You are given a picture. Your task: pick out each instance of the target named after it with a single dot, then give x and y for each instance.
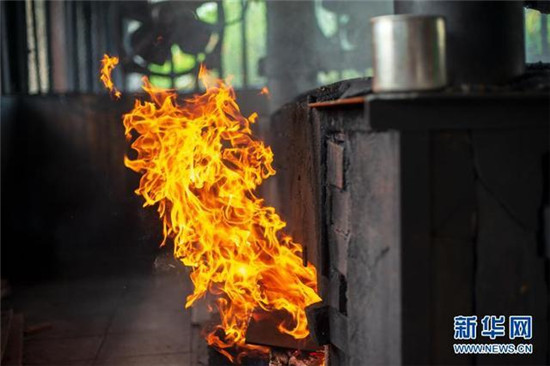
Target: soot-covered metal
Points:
(416, 207)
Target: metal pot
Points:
(485, 39)
(408, 53)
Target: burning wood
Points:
(263, 331)
(285, 357)
(201, 165)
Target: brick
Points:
(340, 210)
(337, 297)
(338, 250)
(335, 164)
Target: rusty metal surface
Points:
(337, 102)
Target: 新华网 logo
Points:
(493, 327)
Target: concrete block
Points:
(340, 210)
(338, 250)
(335, 164)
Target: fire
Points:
(201, 165)
(108, 63)
(265, 91)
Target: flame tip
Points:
(108, 63)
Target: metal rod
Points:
(95, 39)
(59, 44)
(70, 35)
(337, 102)
(74, 53)
(35, 37)
(244, 45)
(48, 30)
(88, 52)
(221, 30)
(21, 56)
(6, 77)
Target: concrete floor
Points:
(136, 320)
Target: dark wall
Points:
(67, 201)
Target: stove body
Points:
(416, 208)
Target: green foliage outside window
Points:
(232, 47)
(534, 42)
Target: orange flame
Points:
(265, 91)
(201, 165)
(108, 63)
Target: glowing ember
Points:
(201, 166)
(265, 91)
(107, 65)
